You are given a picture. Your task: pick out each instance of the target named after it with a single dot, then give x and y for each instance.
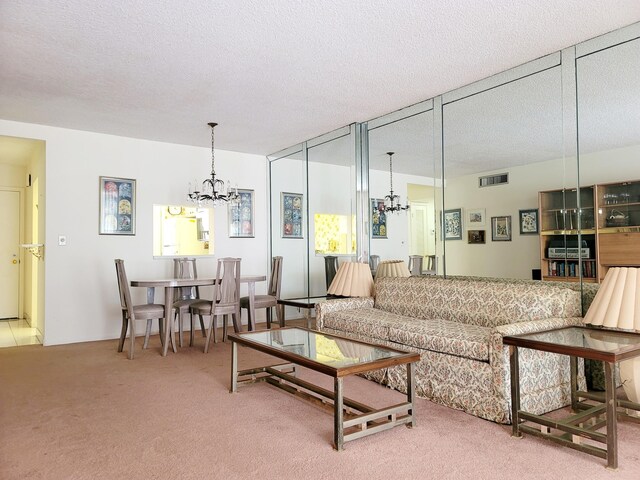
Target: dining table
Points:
(170, 284)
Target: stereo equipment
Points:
(568, 252)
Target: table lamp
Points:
(352, 279)
(392, 268)
(617, 305)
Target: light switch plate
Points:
(62, 240)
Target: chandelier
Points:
(392, 201)
(214, 190)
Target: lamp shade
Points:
(352, 279)
(392, 268)
(617, 303)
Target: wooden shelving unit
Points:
(606, 227)
(618, 225)
(568, 235)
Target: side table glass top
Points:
(601, 340)
(318, 347)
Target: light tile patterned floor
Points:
(14, 333)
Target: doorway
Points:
(21, 264)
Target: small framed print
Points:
(117, 206)
(529, 222)
(291, 214)
(378, 219)
(475, 236)
(240, 215)
(501, 229)
(475, 217)
(453, 224)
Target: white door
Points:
(9, 253)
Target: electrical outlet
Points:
(62, 240)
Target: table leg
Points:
(411, 393)
(338, 424)
(252, 305)
(612, 420)
(234, 367)
(574, 383)
(168, 327)
(515, 391)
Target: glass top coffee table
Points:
(594, 411)
(337, 357)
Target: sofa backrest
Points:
(487, 304)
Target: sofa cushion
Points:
(487, 304)
(463, 340)
(437, 335)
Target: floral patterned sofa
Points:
(457, 326)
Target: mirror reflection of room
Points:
(412, 232)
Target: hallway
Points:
(15, 333)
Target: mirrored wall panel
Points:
(289, 220)
(506, 180)
(332, 212)
(402, 163)
(608, 87)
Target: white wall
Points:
(81, 295)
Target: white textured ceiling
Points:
(270, 72)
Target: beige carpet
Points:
(84, 411)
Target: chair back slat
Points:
(415, 264)
(123, 288)
(186, 268)
(330, 268)
(276, 277)
(227, 287)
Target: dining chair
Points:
(226, 300)
(415, 264)
(186, 268)
(330, 268)
(432, 265)
(374, 261)
(131, 313)
(271, 298)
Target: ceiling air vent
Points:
(492, 180)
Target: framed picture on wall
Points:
(475, 236)
(240, 215)
(475, 217)
(378, 219)
(453, 224)
(291, 214)
(501, 229)
(529, 222)
(117, 206)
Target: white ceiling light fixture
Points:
(214, 190)
(392, 201)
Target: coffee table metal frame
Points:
(360, 419)
(588, 418)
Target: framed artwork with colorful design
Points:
(291, 214)
(240, 215)
(117, 206)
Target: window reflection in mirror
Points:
(182, 231)
(334, 234)
(396, 236)
(514, 129)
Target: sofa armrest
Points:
(531, 326)
(340, 304)
(538, 370)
